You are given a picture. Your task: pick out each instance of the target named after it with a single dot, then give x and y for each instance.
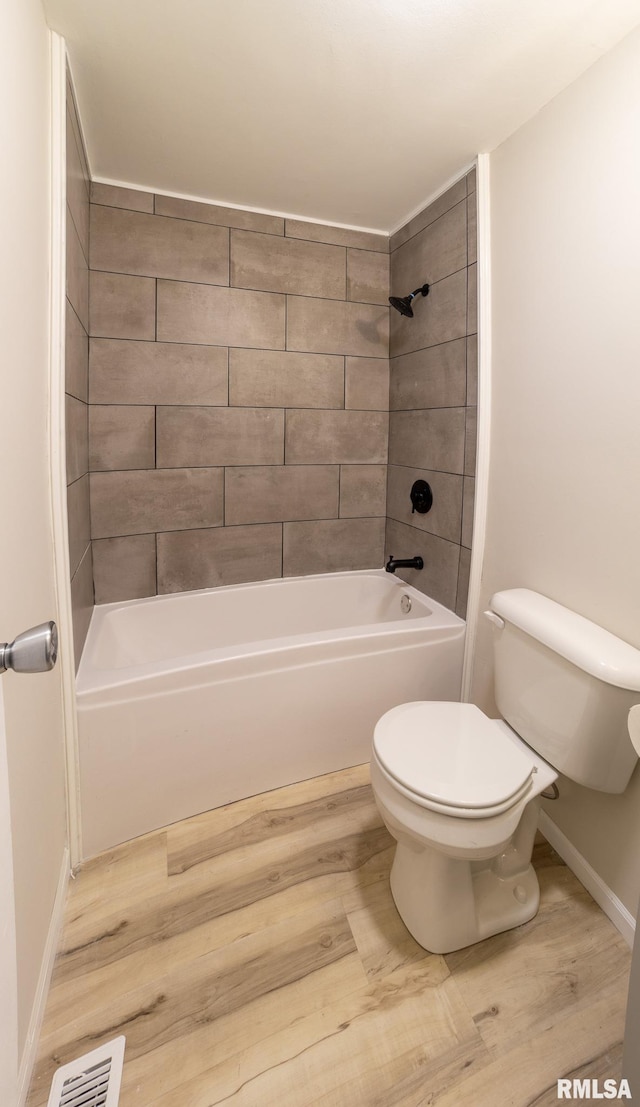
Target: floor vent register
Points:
(92, 1080)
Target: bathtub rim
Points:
(92, 681)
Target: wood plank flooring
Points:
(253, 957)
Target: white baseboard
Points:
(37, 1012)
(613, 908)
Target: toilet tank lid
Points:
(594, 650)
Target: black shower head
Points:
(403, 303)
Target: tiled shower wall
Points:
(76, 378)
(238, 391)
(432, 396)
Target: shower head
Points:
(403, 303)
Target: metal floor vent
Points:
(92, 1080)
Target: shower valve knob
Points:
(33, 651)
(421, 497)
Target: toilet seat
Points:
(451, 758)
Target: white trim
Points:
(57, 437)
(69, 74)
(484, 419)
(239, 207)
(613, 908)
(8, 950)
(30, 1051)
(432, 198)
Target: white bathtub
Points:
(193, 700)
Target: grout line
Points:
(263, 291)
(249, 349)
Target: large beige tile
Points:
(336, 327)
(272, 493)
(126, 372)
(367, 277)
(431, 439)
(432, 254)
(76, 356)
(82, 602)
(77, 189)
(428, 215)
(215, 213)
(340, 236)
(121, 437)
(122, 306)
(138, 502)
(78, 521)
(363, 491)
(76, 438)
(209, 558)
(219, 436)
(439, 577)
(445, 516)
(153, 246)
(220, 316)
(77, 275)
(330, 437)
(277, 264)
(269, 378)
(116, 197)
(332, 546)
(435, 377)
(439, 317)
(367, 383)
(124, 568)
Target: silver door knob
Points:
(34, 651)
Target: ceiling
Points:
(346, 111)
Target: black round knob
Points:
(421, 497)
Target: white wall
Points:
(27, 595)
(564, 487)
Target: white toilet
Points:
(461, 792)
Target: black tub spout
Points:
(403, 563)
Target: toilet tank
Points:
(566, 686)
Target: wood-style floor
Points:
(253, 957)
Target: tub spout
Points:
(403, 563)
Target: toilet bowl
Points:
(460, 794)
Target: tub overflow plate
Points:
(405, 604)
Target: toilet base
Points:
(447, 904)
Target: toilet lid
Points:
(451, 754)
